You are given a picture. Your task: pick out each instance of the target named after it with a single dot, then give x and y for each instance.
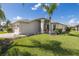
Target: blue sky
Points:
(64, 13)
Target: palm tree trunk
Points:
(50, 27)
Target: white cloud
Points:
(35, 7)
(73, 22)
(18, 17)
(44, 10)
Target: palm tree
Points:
(50, 9)
(2, 14)
(8, 22)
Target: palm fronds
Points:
(2, 14)
(50, 9)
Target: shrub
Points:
(1, 29)
(72, 28)
(68, 29)
(58, 31)
(9, 29)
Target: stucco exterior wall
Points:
(58, 26)
(29, 28)
(16, 28)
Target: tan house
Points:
(57, 25)
(76, 27)
(36, 26)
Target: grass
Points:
(2, 39)
(1, 32)
(46, 45)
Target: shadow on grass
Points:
(53, 46)
(4, 48)
(56, 48)
(73, 35)
(14, 52)
(17, 52)
(4, 45)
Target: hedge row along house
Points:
(41, 25)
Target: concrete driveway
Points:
(7, 35)
(11, 35)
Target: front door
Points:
(46, 29)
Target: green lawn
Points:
(46, 45)
(1, 32)
(2, 39)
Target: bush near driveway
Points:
(9, 30)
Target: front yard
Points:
(45, 45)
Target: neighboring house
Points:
(57, 25)
(36, 26)
(76, 27)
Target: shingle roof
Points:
(21, 20)
(26, 20)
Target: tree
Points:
(8, 26)
(2, 14)
(8, 22)
(50, 9)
